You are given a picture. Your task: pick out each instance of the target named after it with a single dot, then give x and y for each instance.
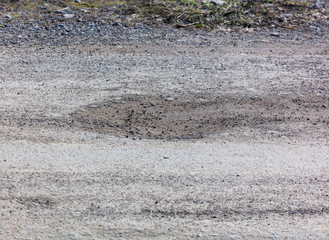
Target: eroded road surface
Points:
(196, 136)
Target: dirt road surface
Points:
(195, 136)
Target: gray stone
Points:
(286, 16)
(318, 5)
(215, 2)
(275, 34)
(62, 11)
(67, 15)
(8, 16)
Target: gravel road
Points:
(159, 133)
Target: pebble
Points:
(93, 106)
(62, 11)
(215, 2)
(8, 16)
(286, 16)
(68, 15)
(275, 34)
(234, 237)
(318, 5)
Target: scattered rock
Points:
(275, 34)
(318, 5)
(67, 16)
(218, 2)
(62, 11)
(215, 2)
(8, 16)
(286, 16)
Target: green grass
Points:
(180, 13)
(238, 13)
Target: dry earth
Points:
(195, 136)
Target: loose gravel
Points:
(64, 176)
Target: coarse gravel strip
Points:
(35, 33)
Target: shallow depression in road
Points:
(190, 116)
(162, 117)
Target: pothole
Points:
(186, 117)
(162, 117)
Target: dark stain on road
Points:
(196, 116)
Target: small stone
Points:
(318, 5)
(218, 2)
(8, 16)
(67, 15)
(286, 16)
(139, 229)
(234, 237)
(275, 34)
(62, 11)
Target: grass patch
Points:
(209, 14)
(203, 14)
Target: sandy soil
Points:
(217, 139)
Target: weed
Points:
(202, 14)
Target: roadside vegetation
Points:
(202, 14)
